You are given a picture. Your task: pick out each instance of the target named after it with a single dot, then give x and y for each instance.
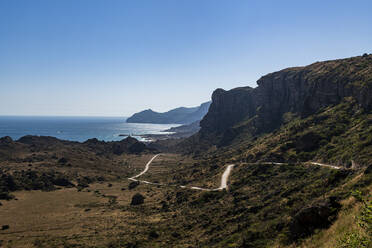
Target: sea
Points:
(78, 128)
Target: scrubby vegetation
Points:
(361, 236)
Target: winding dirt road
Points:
(224, 177)
(223, 185)
(312, 163)
(146, 168)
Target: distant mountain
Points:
(180, 115)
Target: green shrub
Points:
(355, 239)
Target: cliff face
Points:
(300, 91)
(228, 108)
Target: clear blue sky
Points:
(113, 58)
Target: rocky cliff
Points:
(299, 91)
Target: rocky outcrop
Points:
(301, 91)
(6, 140)
(179, 115)
(128, 145)
(318, 215)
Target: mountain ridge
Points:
(180, 115)
(295, 114)
(301, 91)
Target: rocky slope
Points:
(299, 91)
(180, 115)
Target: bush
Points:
(153, 234)
(355, 239)
(137, 199)
(5, 227)
(62, 161)
(82, 185)
(61, 181)
(133, 184)
(5, 196)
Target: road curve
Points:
(146, 168)
(223, 185)
(225, 176)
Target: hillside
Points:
(180, 115)
(295, 110)
(44, 163)
(297, 116)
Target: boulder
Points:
(318, 215)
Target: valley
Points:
(286, 164)
(102, 214)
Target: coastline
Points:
(77, 128)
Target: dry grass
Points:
(91, 217)
(94, 217)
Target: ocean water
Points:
(77, 128)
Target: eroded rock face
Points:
(228, 108)
(301, 91)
